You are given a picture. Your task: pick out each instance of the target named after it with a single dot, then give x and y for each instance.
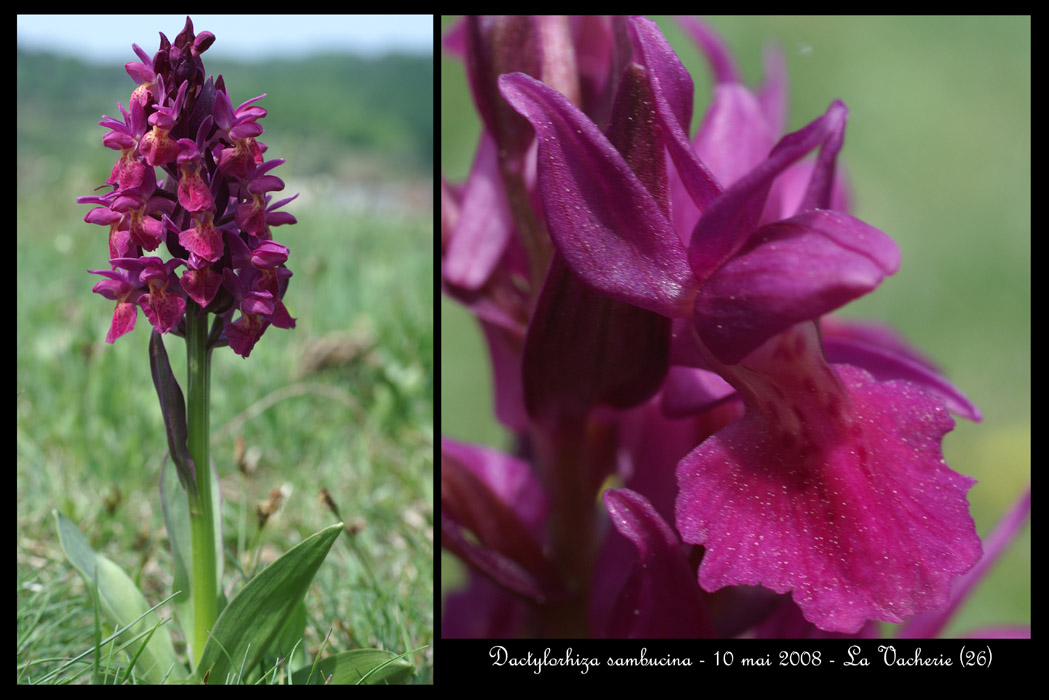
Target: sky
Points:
(102, 38)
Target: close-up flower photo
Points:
(735, 327)
(235, 487)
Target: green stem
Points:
(202, 520)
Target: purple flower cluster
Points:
(655, 306)
(211, 208)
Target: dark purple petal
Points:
(261, 184)
(124, 317)
(660, 597)
(1004, 534)
(193, 193)
(203, 239)
(117, 283)
(500, 543)
(269, 254)
(279, 218)
(735, 137)
(201, 285)
(163, 309)
(257, 303)
(820, 191)
(484, 224)
(504, 348)
(583, 349)
(604, 221)
(794, 270)
(496, 46)
(244, 333)
(785, 621)
(722, 64)
(631, 132)
(773, 94)
(727, 224)
(690, 391)
(500, 568)
(280, 317)
(483, 610)
(511, 479)
(672, 88)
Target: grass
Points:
(90, 439)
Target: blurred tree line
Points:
(330, 104)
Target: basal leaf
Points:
(122, 604)
(251, 621)
(368, 666)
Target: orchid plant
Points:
(655, 304)
(222, 284)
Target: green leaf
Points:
(368, 666)
(291, 632)
(122, 604)
(251, 621)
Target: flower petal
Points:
(672, 88)
(795, 270)
(879, 351)
(502, 544)
(1004, 534)
(690, 391)
(726, 225)
(483, 226)
(734, 138)
(833, 487)
(660, 597)
(604, 221)
(583, 348)
(124, 316)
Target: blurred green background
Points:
(343, 402)
(938, 150)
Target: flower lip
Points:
(833, 486)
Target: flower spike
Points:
(214, 189)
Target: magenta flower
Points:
(832, 485)
(148, 282)
(655, 306)
(211, 199)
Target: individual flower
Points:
(257, 287)
(212, 199)
(832, 485)
(241, 127)
(193, 192)
(148, 282)
(655, 307)
(124, 287)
